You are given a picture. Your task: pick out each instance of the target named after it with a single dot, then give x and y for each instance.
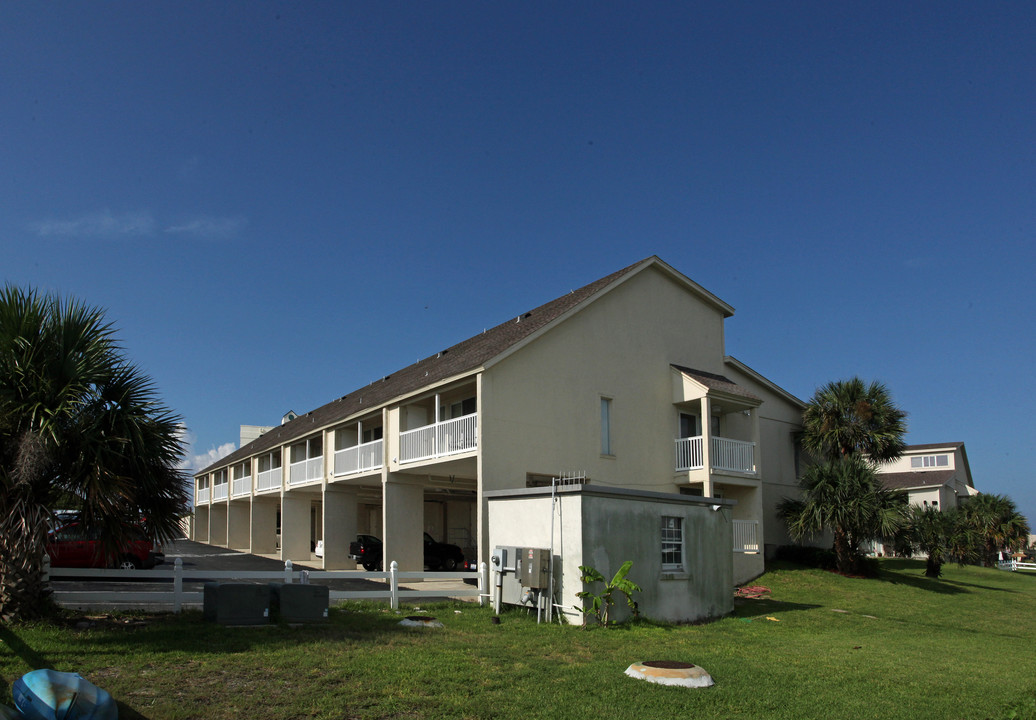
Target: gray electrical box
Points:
(298, 603)
(535, 570)
(236, 603)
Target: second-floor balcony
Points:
(202, 496)
(242, 486)
(269, 479)
(441, 439)
(305, 471)
(724, 454)
(219, 492)
(360, 458)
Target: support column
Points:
(340, 507)
(200, 526)
(263, 526)
(757, 450)
(706, 445)
(402, 511)
(218, 524)
(295, 526)
(238, 524)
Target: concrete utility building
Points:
(683, 452)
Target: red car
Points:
(73, 546)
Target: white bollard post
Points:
(46, 568)
(483, 584)
(287, 572)
(394, 585)
(177, 585)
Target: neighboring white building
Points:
(934, 475)
(625, 380)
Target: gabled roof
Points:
(737, 364)
(903, 480)
(456, 361)
(718, 383)
(933, 446)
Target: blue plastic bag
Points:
(52, 695)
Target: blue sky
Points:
(280, 202)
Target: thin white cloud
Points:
(192, 460)
(99, 224)
(106, 224)
(210, 227)
(203, 460)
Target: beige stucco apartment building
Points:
(624, 384)
(935, 475)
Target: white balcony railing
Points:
(735, 455)
(724, 454)
(689, 454)
(242, 486)
(219, 492)
(306, 471)
(746, 538)
(269, 479)
(360, 458)
(439, 439)
(202, 496)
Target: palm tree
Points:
(81, 426)
(997, 523)
(848, 416)
(847, 426)
(844, 496)
(939, 535)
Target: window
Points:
(606, 426)
(689, 426)
(672, 543)
(929, 461)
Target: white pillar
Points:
(340, 508)
(403, 522)
(295, 526)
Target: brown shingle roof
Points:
(451, 362)
(717, 382)
(930, 478)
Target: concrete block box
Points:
(236, 603)
(299, 603)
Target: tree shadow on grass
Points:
(942, 587)
(911, 572)
(35, 661)
(748, 607)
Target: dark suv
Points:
(437, 556)
(74, 546)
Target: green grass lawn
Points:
(900, 646)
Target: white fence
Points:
(746, 536)
(178, 597)
(306, 471)
(269, 479)
(219, 492)
(724, 454)
(360, 458)
(1014, 565)
(689, 454)
(736, 455)
(242, 486)
(439, 439)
